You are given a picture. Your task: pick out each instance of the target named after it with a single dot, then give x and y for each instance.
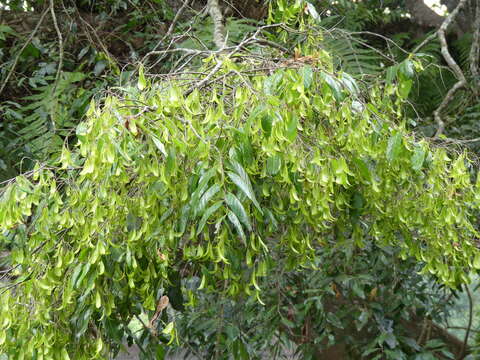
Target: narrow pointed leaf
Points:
(209, 212)
(245, 188)
(236, 206)
(207, 196)
(236, 223)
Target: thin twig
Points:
(60, 61)
(475, 51)
(425, 41)
(60, 43)
(10, 72)
(170, 29)
(235, 49)
(462, 353)
(462, 328)
(386, 39)
(452, 64)
(100, 42)
(458, 141)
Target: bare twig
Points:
(386, 39)
(452, 64)
(462, 353)
(100, 42)
(60, 60)
(475, 51)
(60, 43)
(462, 328)
(253, 39)
(32, 34)
(424, 42)
(170, 29)
(459, 141)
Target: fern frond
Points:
(350, 55)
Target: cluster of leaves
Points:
(47, 84)
(209, 197)
(353, 303)
(169, 183)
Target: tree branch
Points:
(170, 29)
(60, 61)
(462, 353)
(32, 34)
(452, 64)
(475, 51)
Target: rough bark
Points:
(423, 14)
(218, 27)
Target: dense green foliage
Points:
(163, 183)
(274, 193)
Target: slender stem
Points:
(452, 64)
(60, 62)
(469, 326)
(10, 72)
(475, 51)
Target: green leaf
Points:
(307, 74)
(394, 147)
(418, 158)
(333, 84)
(199, 191)
(99, 67)
(271, 83)
(363, 168)
(82, 322)
(171, 161)
(274, 163)
(267, 122)
(349, 82)
(168, 329)
(142, 82)
(78, 280)
(159, 145)
(244, 185)
(236, 206)
(407, 69)
(203, 182)
(476, 261)
(206, 197)
(391, 74)
(207, 214)
(291, 132)
(184, 216)
(334, 320)
(5, 29)
(362, 320)
(404, 88)
(236, 223)
(391, 340)
(313, 12)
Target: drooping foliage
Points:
(169, 181)
(346, 220)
